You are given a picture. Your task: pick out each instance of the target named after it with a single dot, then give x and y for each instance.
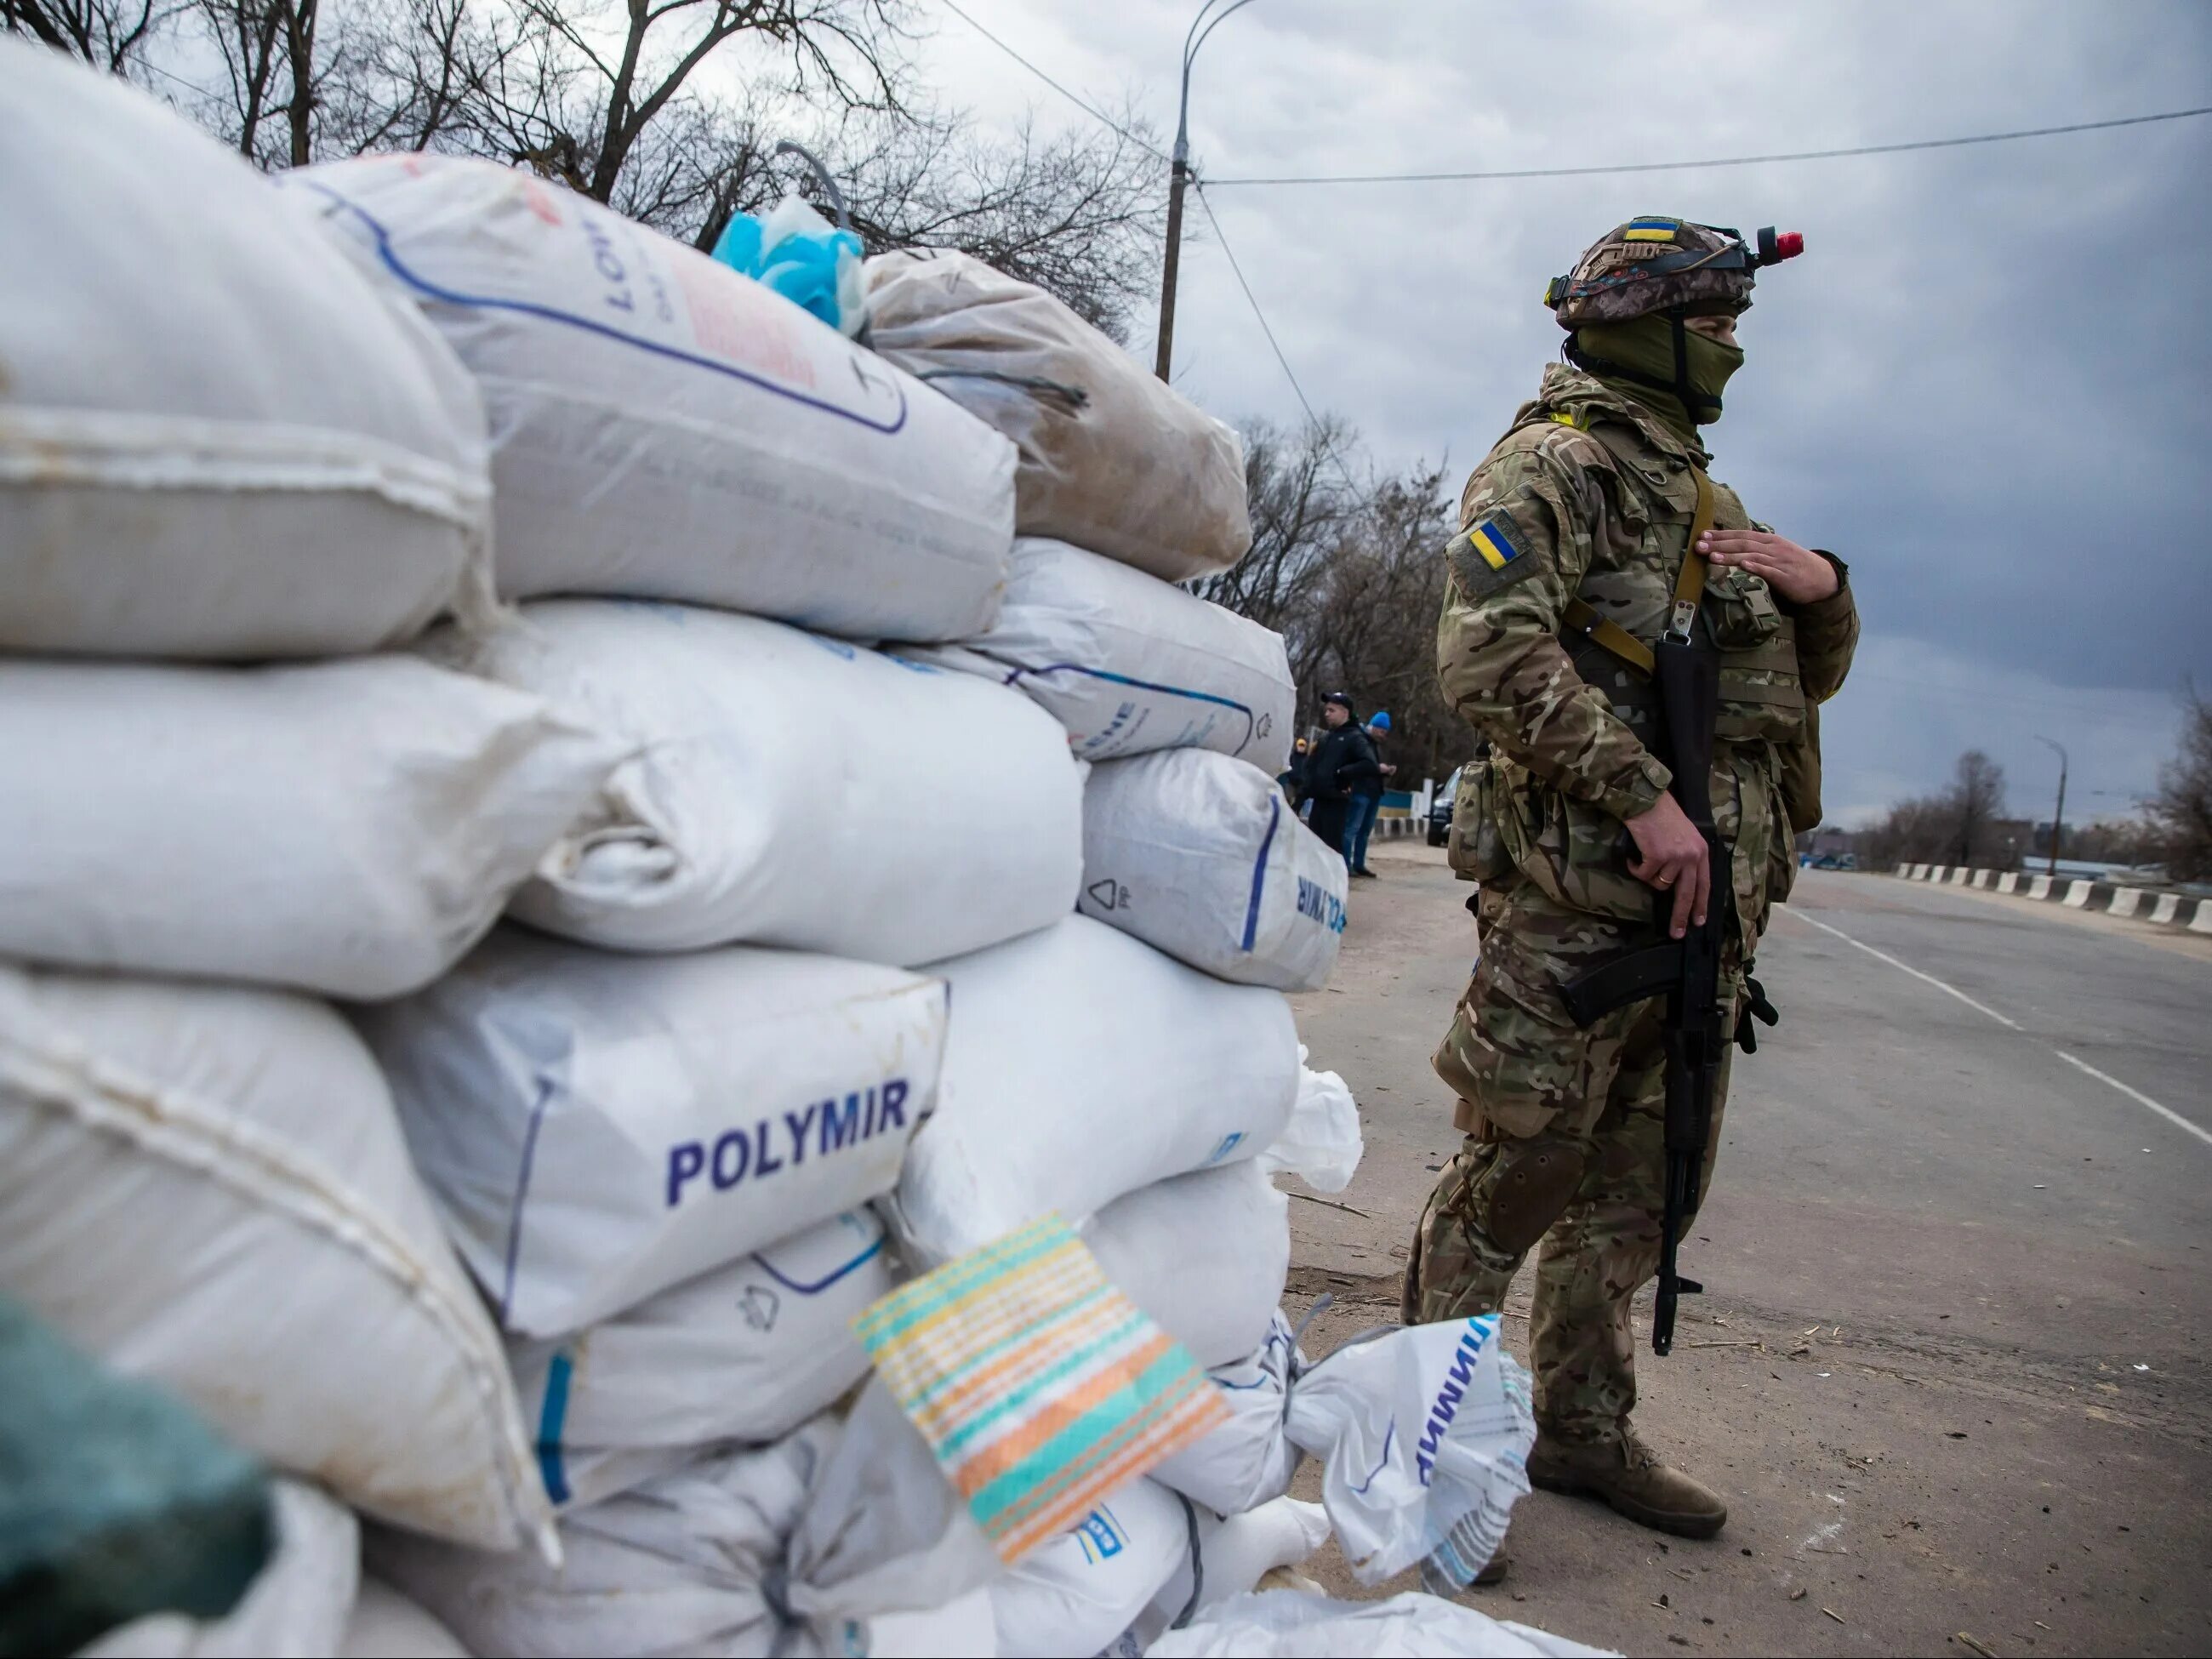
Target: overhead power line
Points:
(1252, 300)
(1713, 161)
(1087, 107)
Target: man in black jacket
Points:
(1342, 759)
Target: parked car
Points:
(1440, 811)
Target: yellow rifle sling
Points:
(1690, 581)
(1581, 617)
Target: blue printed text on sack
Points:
(768, 1145)
(1457, 1378)
(1317, 903)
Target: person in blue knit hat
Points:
(1366, 800)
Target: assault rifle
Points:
(1687, 970)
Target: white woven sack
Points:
(296, 1608)
(1229, 1555)
(1248, 1459)
(746, 1352)
(664, 427)
(217, 440)
(822, 1543)
(1128, 663)
(1200, 855)
(1083, 1066)
(386, 1625)
(1206, 1255)
(205, 1185)
(349, 826)
(1289, 1624)
(1111, 457)
(597, 1128)
(1070, 1598)
(791, 790)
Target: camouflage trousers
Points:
(1565, 1147)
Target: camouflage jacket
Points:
(1592, 495)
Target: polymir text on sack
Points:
(1446, 1405)
(736, 1152)
(1317, 903)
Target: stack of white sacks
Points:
(792, 1003)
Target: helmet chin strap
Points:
(1695, 402)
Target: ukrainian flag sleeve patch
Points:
(1490, 554)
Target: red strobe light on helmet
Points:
(1773, 249)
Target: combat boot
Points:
(1630, 1476)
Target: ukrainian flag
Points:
(1652, 230)
(1489, 540)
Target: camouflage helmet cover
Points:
(1652, 263)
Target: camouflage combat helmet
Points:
(1657, 264)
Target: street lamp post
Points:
(2057, 817)
(1179, 174)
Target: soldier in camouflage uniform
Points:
(1575, 528)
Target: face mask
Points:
(1646, 344)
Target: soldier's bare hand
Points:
(1797, 573)
(1671, 856)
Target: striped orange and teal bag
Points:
(1041, 1387)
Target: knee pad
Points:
(1530, 1185)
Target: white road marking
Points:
(1903, 968)
(2136, 1095)
(2077, 1063)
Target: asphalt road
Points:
(1950, 1370)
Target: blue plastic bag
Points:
(799, 254)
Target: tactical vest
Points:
(1617, 614)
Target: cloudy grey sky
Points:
(1985, 386)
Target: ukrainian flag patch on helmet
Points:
(1651, 230)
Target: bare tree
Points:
(111, 34)
(1302, 506)
(272, 72)
(1976, 801)
(2182, 808)
(587, 79)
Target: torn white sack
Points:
(1425, 1433)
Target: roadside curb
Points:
(2165, 910)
